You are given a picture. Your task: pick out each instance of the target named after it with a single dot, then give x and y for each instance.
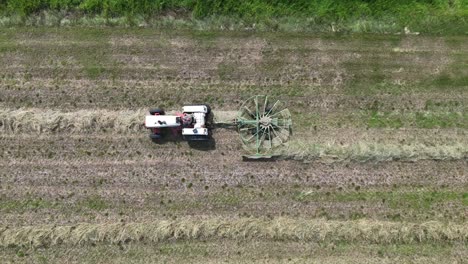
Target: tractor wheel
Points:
(208, 109)
(156, 111)
(209, 118)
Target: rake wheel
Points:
(263, 124)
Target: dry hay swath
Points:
(372, 151)
(319, 230)
(35, 120)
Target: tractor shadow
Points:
(203, 145)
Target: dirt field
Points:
(376, 171)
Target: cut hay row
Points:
(318, 230)
(371, 151)
(35, 120)
(48, 121)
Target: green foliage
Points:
(24, 205)
(414, 199)
(384, 120)
(25, 7)
(441, 120)
(95, 203)
(411, 13)
(379, 119)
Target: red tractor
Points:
(193, 124)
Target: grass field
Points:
(356, 16)
(376, 170)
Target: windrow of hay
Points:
(319, 230)
(369, 151)
(35, 120)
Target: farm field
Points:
(376, 170)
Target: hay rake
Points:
(263, 125)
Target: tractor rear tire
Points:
(156, 111)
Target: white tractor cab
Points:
(194, 123)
